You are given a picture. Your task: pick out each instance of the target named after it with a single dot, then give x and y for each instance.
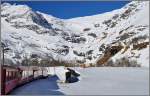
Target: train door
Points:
(3, 79)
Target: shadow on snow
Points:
(46, 86)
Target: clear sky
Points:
(71, 9)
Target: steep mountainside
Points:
(93, 39)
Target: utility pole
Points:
(3, 51)
(3, 74)
(3, 54)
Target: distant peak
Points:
(136, 3)
(9, 6)
(6, 4)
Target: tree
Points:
(34, 62)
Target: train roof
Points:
(29, 67)
(23, 67)
(10, 67)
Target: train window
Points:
(6, 73)
(24, 74)
(13, 75)
(10, 75)
(20, 74)
(7, 76)
(16, 74)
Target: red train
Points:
(12, 76)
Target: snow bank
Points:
(59, 71)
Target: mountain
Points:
(99, 39)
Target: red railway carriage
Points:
(26, 75)
(10, 77)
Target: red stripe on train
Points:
(10, 85)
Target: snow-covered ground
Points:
(94, 81)
(109, 81)
(39, 87)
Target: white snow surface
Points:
(27, 32)
(109, 81)
(93, 81)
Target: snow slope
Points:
(80, 40)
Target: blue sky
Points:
(66, 9)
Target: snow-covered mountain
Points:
(90, 40)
